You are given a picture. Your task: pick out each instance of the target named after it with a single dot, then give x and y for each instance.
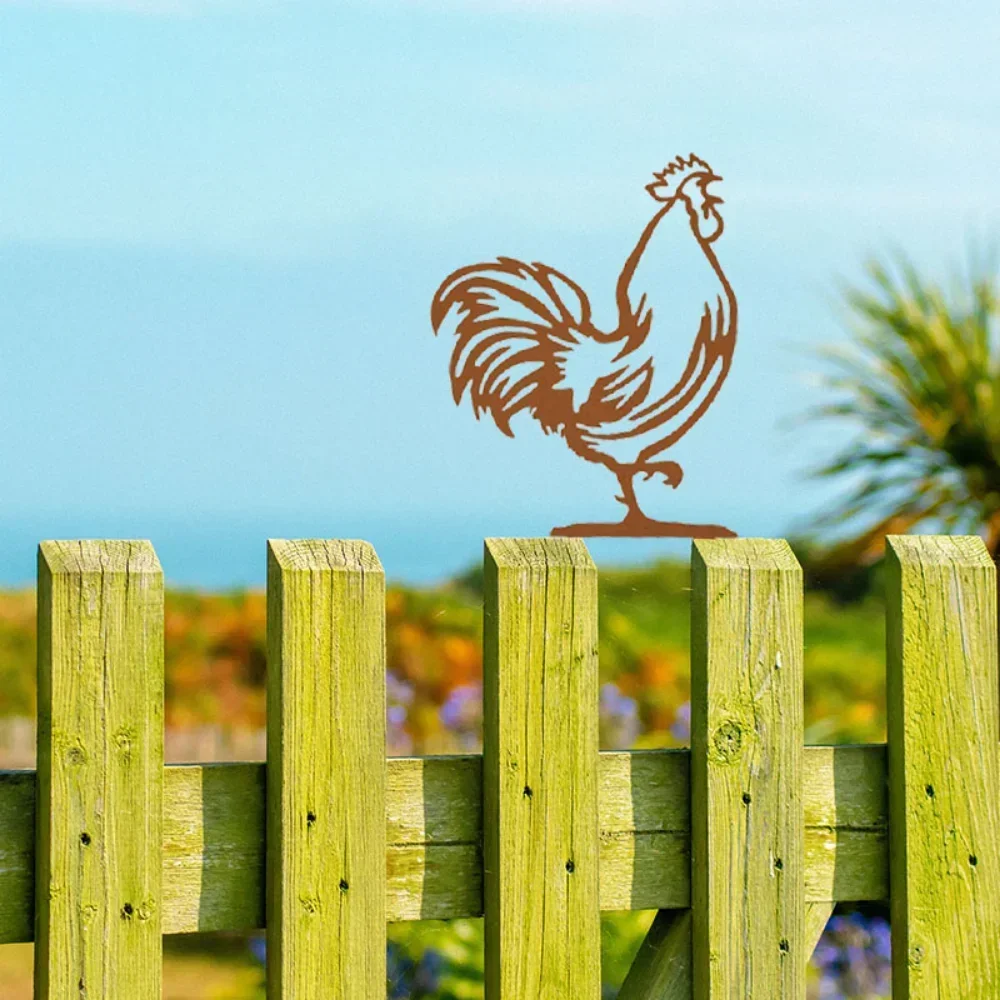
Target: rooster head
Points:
(688, 180)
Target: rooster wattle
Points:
(524, 340)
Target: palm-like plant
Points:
(921, 381)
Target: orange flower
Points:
(657, 668)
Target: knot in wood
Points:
(728, 741)
(124, 738)
(311, 904)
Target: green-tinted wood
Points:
(817, 917)
(213, 847)
(944, 739)
(540, 760)
(662, 967)
(213, 837)
(98, 905)
(847, 823)
(747, 836)
(326, 870)
(434, 824)
(17, 856)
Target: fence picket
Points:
(944, 769)
(540, 759)
(326, 817)
(747, 838)
(98, 903)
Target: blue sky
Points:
(221, 225)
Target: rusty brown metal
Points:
(525, 341)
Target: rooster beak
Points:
(711, 199)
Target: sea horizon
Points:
(212, 551)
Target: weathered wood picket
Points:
(744, 843)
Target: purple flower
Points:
(462, 714)
(680, 729)
(619, 718)
(853, 957)
(258, 948)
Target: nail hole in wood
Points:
(746, 799)
(127, 911)
(930, 791)
(310, 818)
(973, 860)
(528, 792)
(570, 867)
(343, 885)
(85, 839)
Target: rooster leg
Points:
(626, 477)
(672, 473)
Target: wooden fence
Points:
(743, 844)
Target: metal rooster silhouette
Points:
(524, 340)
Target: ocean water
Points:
(216, 552)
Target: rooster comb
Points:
(674, 174)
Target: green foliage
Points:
(921, 383)
(17, 653)
(444, 955)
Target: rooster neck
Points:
(642, 283)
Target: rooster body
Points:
(525, 341)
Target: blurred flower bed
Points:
(216, 662)
(215, 674)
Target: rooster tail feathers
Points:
(513, 324)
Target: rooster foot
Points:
(672, 473)
(635, 523)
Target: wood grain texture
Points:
(213, 847)
(662, 967)
(540, 760)
(326, 870)
(98, 905)
(846, 823)
(944, 771)
(213, 837)
(817, 917)
(747, 836)
(17, 856)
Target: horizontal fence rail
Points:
(214, 824)
(743, 843)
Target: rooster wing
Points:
(525, 340)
